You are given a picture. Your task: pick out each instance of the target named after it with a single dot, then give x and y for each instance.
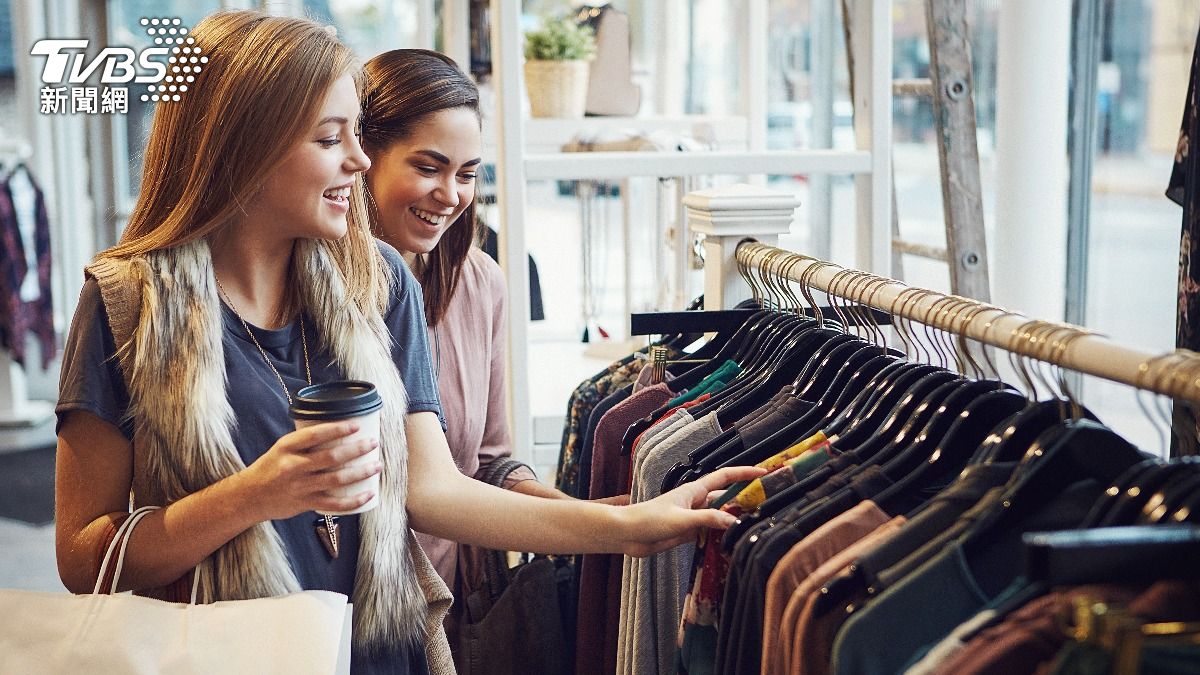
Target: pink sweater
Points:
(468, 352)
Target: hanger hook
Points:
(806, 281)
(876, 284)
(898, 321)
(973, 310)
(1015, 349)
(839, 292)
(933, 356)
(744, 263)
(789, 263)
(857, 309)
(928, 317)
(766, 275)
(954, 334)
(911, 298)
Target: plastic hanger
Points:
(1168, 498)
(922, 467)
(1123, 500)
(1083, 450)
(917, 402)
(791, 369)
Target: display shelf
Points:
(545, 135)
(528, 150)
(598, 165)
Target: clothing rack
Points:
(16, 409)
(1175, 374)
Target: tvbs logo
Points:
(174, 60)
(118, 62)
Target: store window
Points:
(369, 26)
(129, 131)
(1133, 240)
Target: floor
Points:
(1134, 235)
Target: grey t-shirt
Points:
(91, 380)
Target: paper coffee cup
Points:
(339, 401)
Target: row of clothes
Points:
(26, 301)
(888, 534)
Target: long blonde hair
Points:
(259, 92)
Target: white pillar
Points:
(1030, 240)
(725, 216)
(510, 196)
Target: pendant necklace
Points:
(326, 526)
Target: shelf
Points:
(598, 165)
(546, 135)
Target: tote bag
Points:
(513, 625)
(298, 633)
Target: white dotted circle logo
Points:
(168, 32)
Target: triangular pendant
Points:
(326, 528)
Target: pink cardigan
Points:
(468, 352)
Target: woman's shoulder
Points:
(485, 270)
(402, 276)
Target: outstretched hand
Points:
(674, 518)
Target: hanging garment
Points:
(26, 301)
(1184, 189)
(491, 246)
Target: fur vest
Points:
(165, 316)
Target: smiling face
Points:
(308, 193)
(422, 184)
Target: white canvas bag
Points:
(299, 633)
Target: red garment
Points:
(600, 575)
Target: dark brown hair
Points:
(404, 86)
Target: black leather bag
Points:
(514, 623)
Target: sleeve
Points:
(90, 378)
(497, 442)
(405, 320)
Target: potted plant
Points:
(556, 67)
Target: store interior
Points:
(1076, 129)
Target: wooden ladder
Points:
(950, 87)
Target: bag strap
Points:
(119, 543)
(500, 470)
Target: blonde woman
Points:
(247, 271)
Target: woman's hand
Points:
(302, 467)
(675, 517)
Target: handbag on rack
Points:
(514, 622)
(109, 632)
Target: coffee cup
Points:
(340, 401)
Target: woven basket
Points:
(557, 88)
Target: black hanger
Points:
(1063, 455)
(787, 356)
(874, 371)
(1010, 443)
(928, 465)
(1122, 501)
(1189, 509)
(801, 359)
(1167, 500)
(748, 331)
(859, 426)
(956, 447)
(912, 411)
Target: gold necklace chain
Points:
(303, 342)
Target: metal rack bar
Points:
(1175, 374)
